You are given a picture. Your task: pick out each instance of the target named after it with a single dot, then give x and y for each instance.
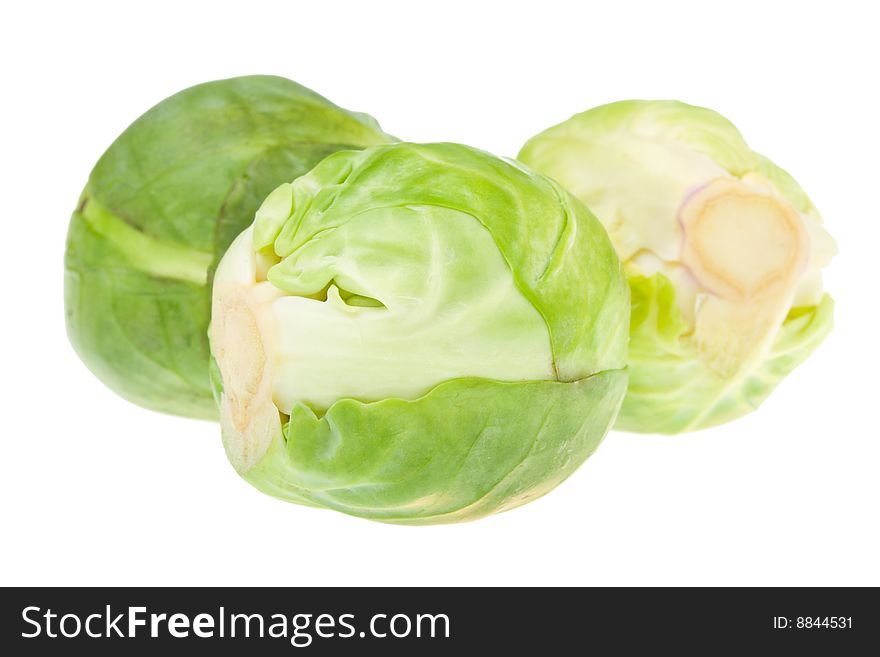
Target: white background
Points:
(97, 491)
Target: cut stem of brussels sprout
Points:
(748, 249)
(741, 242)
(239, 334)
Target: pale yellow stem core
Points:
(742, 243)
(747, 249)
(248, 416)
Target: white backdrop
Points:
(97, 491)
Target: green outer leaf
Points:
(450, 309)
(701, 129)
(561, 257)
(142, 335)
(468, 448)
(670, 389)
(180, 183)
(171, 170)
(143, 253)
(263, 174)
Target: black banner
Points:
(325, 621)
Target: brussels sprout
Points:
(160, 208)
(418, 334)
(722, 248)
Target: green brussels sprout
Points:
(418, 334)
(722, 248)
(160, 208)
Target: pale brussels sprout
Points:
(722, 248)
(160, 208)
(418, 334)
